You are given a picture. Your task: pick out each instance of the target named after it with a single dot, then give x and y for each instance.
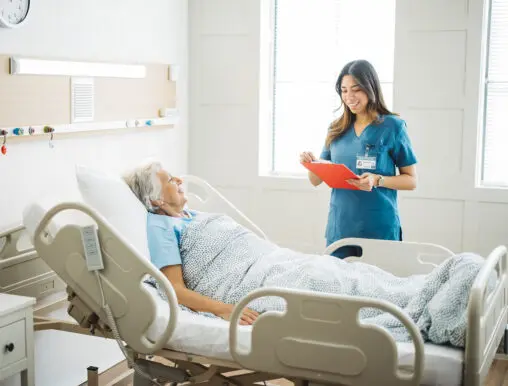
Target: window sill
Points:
(491, 187)
(299, 182)
(491, 194)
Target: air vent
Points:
(82, 99)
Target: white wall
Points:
(436, 77)
(224, 124)
(437, 86)
(94, 30)
(152, 31)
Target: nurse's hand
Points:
(307, 156)
(365, 182)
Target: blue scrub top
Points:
(374, 214)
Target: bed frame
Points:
(279, 349)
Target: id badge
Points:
(365, 162)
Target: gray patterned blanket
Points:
(225, 261)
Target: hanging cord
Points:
(3, 149)
(116, 335)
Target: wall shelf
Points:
(69, 128)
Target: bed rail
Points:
(487, 316)
(132, 306)
(319, 338)
(10, 253)
(211, 200)
(402, 258)
(21, 272)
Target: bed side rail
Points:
(132, 306)
(402, 258)
(21, 272)
(487, 316)
(211, 200)
(10, 252)
(320, 338)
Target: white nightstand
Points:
(17, 338)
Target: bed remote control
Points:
(92, 248)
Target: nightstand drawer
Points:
(12, 343)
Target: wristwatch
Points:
(380, 181)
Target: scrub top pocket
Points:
(384, 163)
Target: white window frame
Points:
(266, 46)
(266, 102)
(485, 86)
(476, 65)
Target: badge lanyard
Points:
(366, 162)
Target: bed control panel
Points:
(92, 248)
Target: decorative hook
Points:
(31, 130)
(49, 129)
(3, 149)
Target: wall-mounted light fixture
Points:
(27, 66)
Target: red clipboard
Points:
(334, 175)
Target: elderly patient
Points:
(163, 196)
(213, 262)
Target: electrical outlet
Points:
(173, 72)
(46, 286)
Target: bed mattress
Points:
(201, 335)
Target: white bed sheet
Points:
(201, 335)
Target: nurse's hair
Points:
(144, 183)
(366, 77)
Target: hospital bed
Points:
(318, 339)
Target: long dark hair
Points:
(368, 80)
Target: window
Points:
(313, 40)
(495, 127)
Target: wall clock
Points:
(13, 13)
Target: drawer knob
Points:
(9, 347)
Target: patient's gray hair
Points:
(144, 183)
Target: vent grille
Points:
(82, 99)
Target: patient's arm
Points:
(198, 302)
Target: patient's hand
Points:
(198, 302)
(247, 317)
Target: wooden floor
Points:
(498, 375)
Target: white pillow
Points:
(113, 199)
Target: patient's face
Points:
(172, 193)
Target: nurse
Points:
(373, 142)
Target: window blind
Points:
(495, 141)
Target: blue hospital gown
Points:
(164, 235)
(374, 214)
